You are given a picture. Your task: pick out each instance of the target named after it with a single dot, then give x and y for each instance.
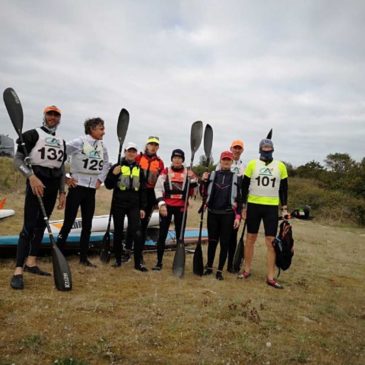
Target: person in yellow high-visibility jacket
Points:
(264, 187)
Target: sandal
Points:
(274, 284)
(244, 275)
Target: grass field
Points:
(121, 316)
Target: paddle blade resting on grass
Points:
(105, 251)
(239, 253)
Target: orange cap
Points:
(237, 142)
(52, 108)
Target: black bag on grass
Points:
(284, 246)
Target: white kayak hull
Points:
(6, 213)
(99, 224)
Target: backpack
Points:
(284, 246)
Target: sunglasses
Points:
(53, 113)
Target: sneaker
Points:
(141, 268)
(86, 262)
(219, 275)
(157, 267)
(274, 284)
(208, 271)
(244, 275)
(117, 264)
(36, 270)
(17, 282)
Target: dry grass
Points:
(120, 316)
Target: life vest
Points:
(151, 167)
(233, 188)
(49, 151)
(129, 178)
(175, 184)
(90, 161)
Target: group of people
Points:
(141, 182)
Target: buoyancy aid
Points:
(175, 184)
(151, 167)
(129, 178)
(211, 181)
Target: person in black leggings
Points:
(129, 199)
(45, 179)
(170, 190)
(89, 167)
(224, 203)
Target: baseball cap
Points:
(237, 142)
(52, 108)
(227, 154)
(153, 139)
(131, 145)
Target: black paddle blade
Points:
(122, 127)
(61, 270)
(269, 135)
(240, 252)
(198, 266)
(14, 108)
(196, 135)
(238, 256)
(208, 142)
(105, 250)
(178, 266)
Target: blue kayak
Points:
(96, 239)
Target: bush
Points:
(330, 206)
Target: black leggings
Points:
(220, 228)
(151, 203)
(133, 214)
(165, 222)
(232, 248)
(31, 235)
(83, 197)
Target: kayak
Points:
(96, 239)
(99, 224)
(6, 213)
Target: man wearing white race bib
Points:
(265, 185)
(89, 167)
(46, 179)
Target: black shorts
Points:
(269, 215)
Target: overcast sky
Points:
(242, 66)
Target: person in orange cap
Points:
(47, 154)
(237, 148)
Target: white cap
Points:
(131, 145)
